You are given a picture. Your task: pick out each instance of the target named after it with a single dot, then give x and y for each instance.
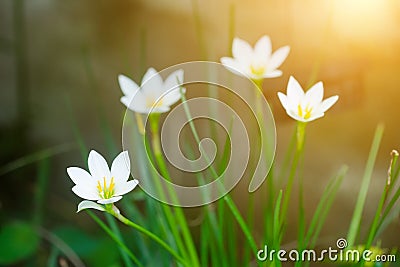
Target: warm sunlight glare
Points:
(361, 19)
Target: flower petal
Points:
(315, 115)
(294, 92)
(122, 189)
(128, 86)
(293, 114)
(98, 165)
(272, 74)
(86, 191)
(109, 200)
(86, 204)
(315, 94)
(173, 80)
(283, 99)
(148, 75)
(152, 84)
(242, 51)
(328, 103)
(126, 101)
(121, 167)
(136, 103)
(278, 57)
(78, 175)
(172, 97)
(262, 49)
(161, 109)
(233, 66)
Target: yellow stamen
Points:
(300, 111)
(151, 102)
(105, 192)
(257, 70)
(112, 185)
(99, 186)
(307, 112)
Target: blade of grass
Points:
(300, 132)
(392, 173)
(36, 157)
(231, 239)
(114, 237)
(114, 228)
(250, 223)
(288, 156)
(199, 31)
(277, 226)
(356, 219)
(61, 246)
(75, 128)
(375, 223)
(269, 208)
(325, 207)
(226, 198)
(204, 243)
(217, 226)
(41, 189)
(250, 206)
(302, 219)
(104, 126)
(52, 260)
(148, 234)
(388, 211)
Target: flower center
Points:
(104, 191)
(306, 113)
(257, 70)
(151, 102)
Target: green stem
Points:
(301, 129)
(378, 215)
(41, 189)
(226, 198)
(392, 180)
(356, 219)
(154, 124)
(171, 218)
(300, 145)
(250, 213)
(114, 237)
(114, 228)
(149, 234)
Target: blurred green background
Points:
(59, 62)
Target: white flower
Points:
(154, 95)
(307, 106)
(257, 63)
(102, 184)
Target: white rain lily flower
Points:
(102, 184)
(154, 95)
(257, 63)
(307, 106)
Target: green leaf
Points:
(95, 250)
(19, 241)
